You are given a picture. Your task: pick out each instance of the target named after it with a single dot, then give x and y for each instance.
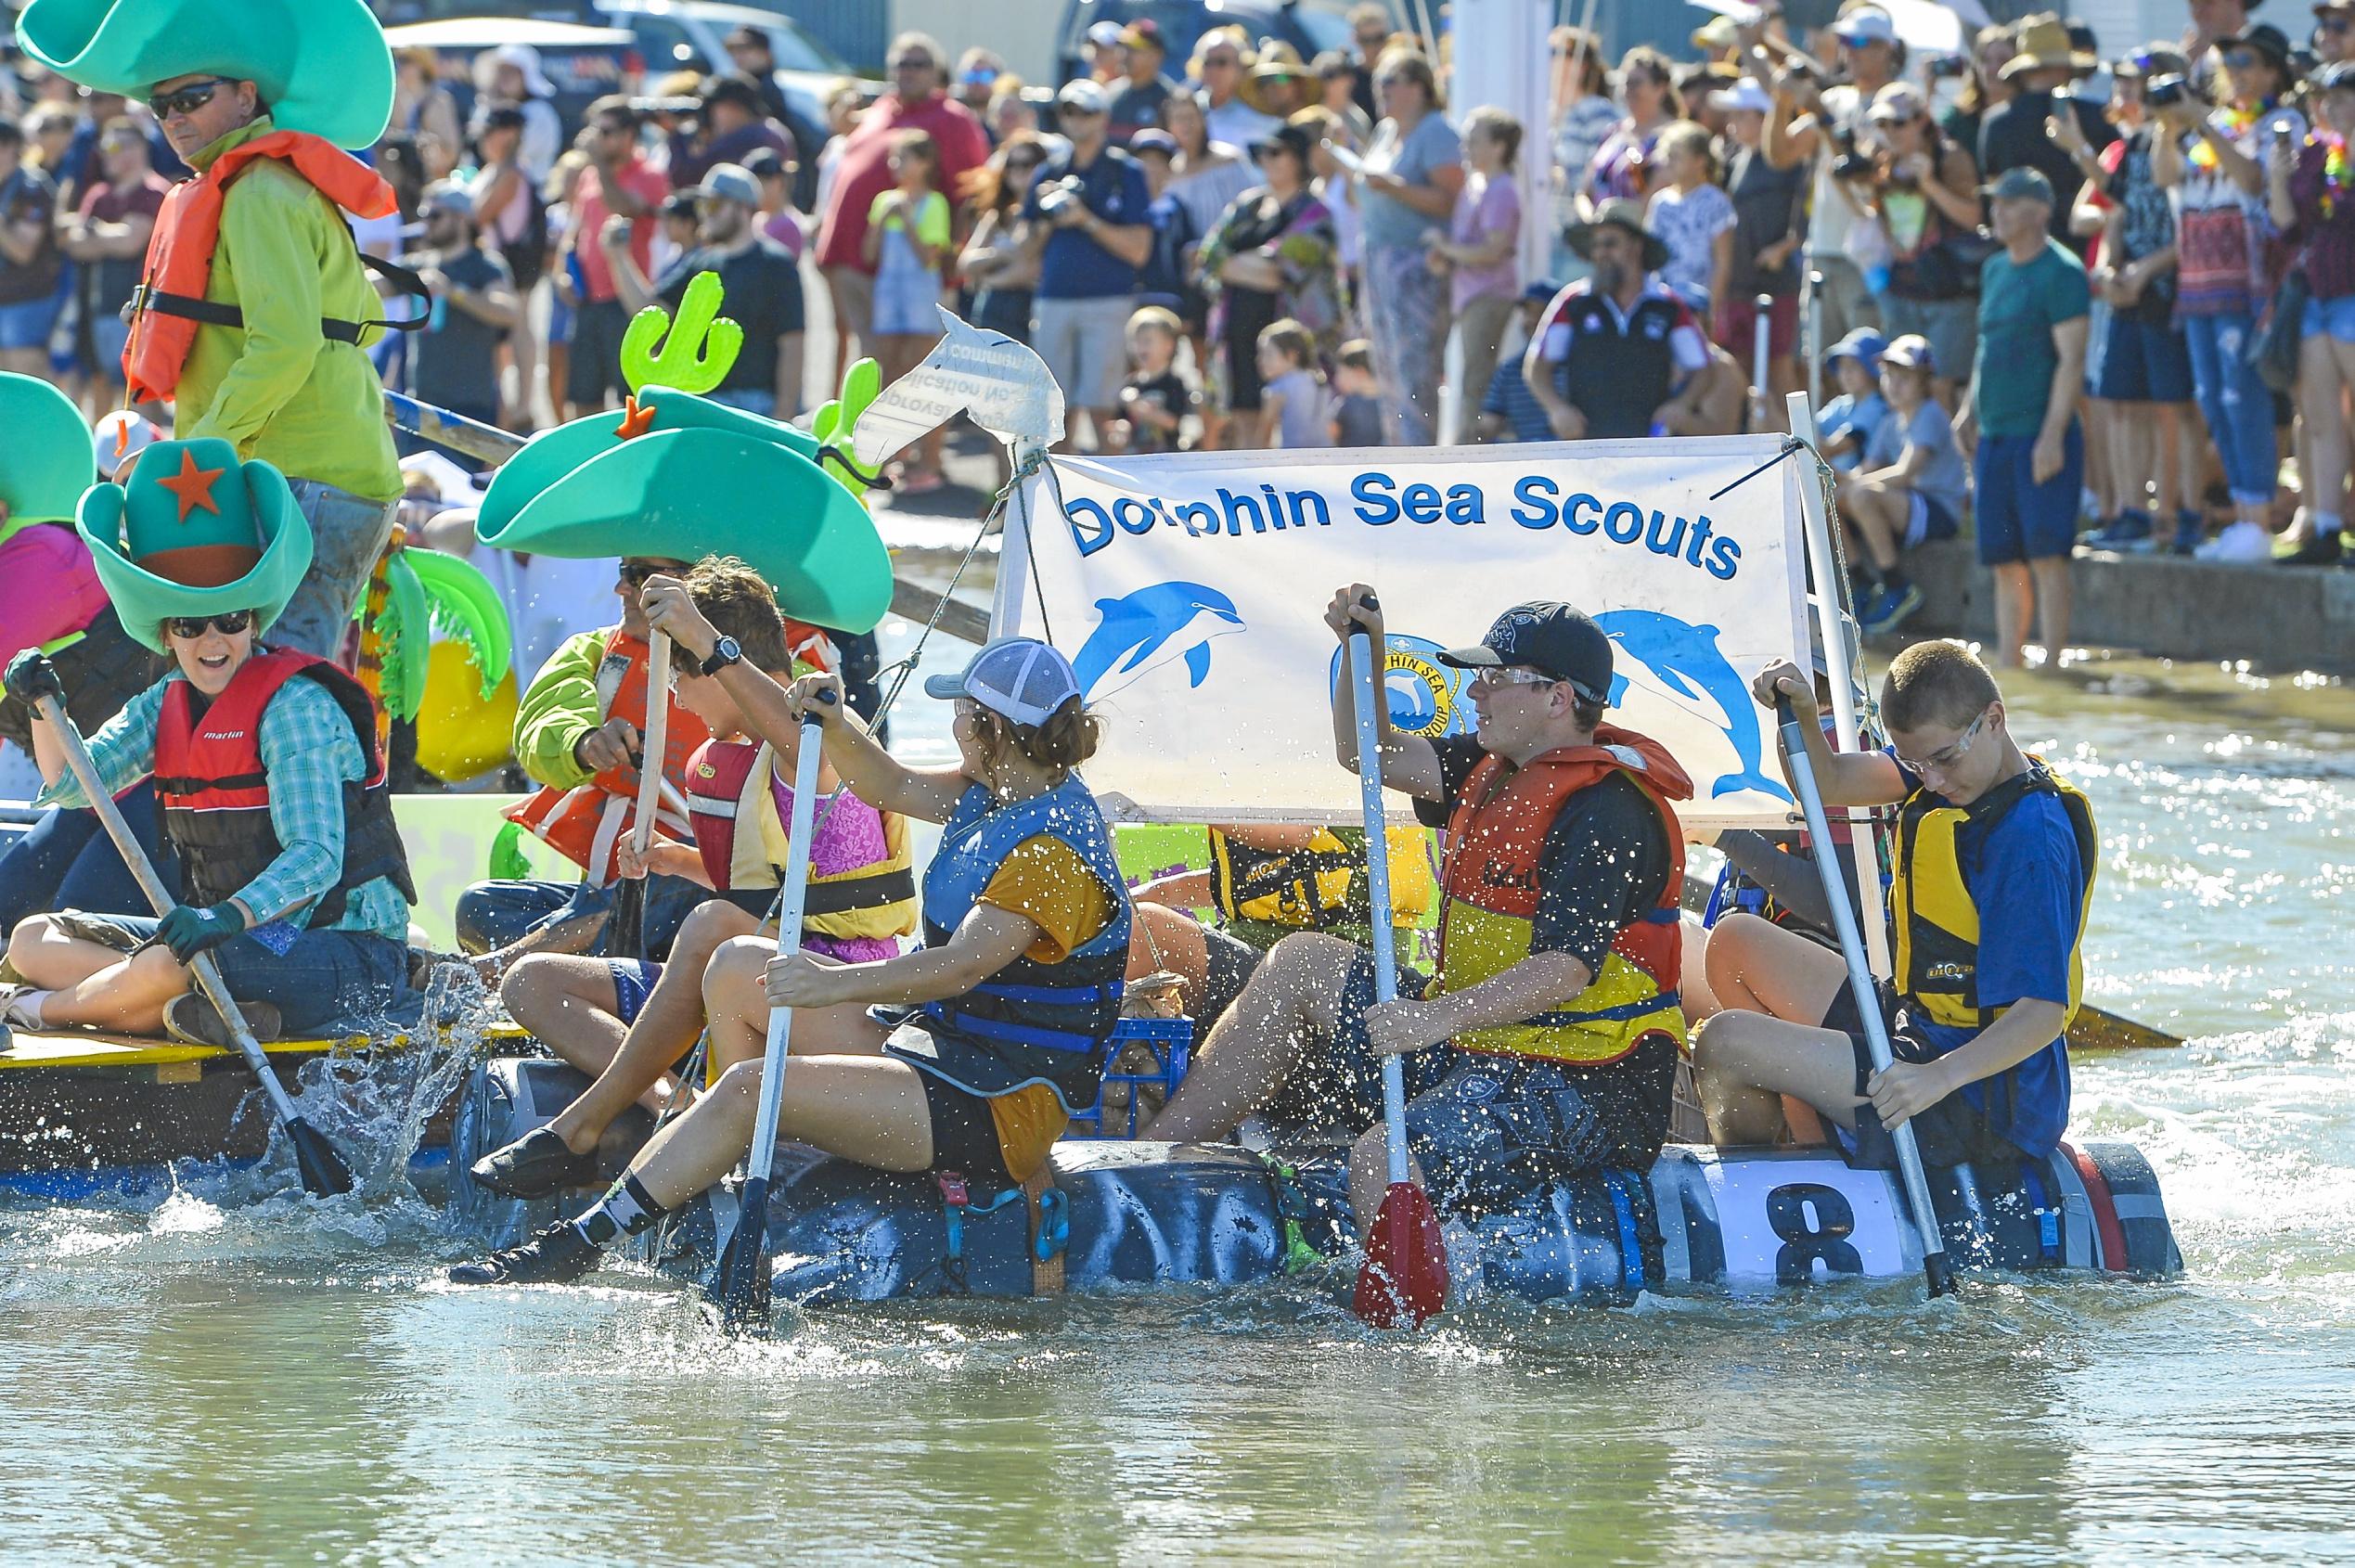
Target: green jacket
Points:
(558, 708)
(277, 388)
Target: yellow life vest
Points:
(1936, 925)
(875, 899)
(1310, 887)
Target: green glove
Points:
(190, 931)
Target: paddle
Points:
(2098, 1029)
(1404, 1279)
(1936, 1268)
(740, 1282)
(629, 899)
(324, 1171)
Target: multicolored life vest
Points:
(1935, 923)
(1317, 887)
(739, 807)
(585, 822)
(1040, 1023)
(169, 304)
(215, 792)
(1496, 838)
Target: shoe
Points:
(533, 1166)
(556, 1256)
(12, 1014)
(2244, 544)
(2322, 549)
(191, 1019)
(1891, 610)
(2130, 533)
(2190, 529)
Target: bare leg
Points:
(1369, 1176)
(2051, 578)
(2015, 599)
(1693, 977)
(1290, 1001)
(864, 1109)
(2134, 454)
(1756, 965)
(1743, 1063)
(736, 1006)
(1878, 511)
(94, 985)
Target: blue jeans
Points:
(498, 914)
(2237, 406)
(348, 532)
(66, 861)
(349, 979)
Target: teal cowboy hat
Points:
(195, 533)
(696, 478)
(322, 66)
(47, 460)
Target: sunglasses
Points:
(1940, 760)
(190, 627)
(2240, 59)
(635, 574)
(1495, 677)
(1013, 163)
(186, 100)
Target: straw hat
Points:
(2044, 45)
(1619, 213)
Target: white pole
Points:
(1839, 657)
(1814, 339)
(1761, 340)
(1006, 604)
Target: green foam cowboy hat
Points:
(696, 478)
(46, 462)
(322, 66)
(195, 533)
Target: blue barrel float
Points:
(1116, 1213)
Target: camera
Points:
(1056, 195)
(1950, 65)
(2164, 92)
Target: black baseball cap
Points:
(1553, 639)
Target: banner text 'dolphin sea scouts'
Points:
(1189, 591)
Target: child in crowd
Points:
(1695, 215)
(1510, 411)
(1909, 488)
(1357, 397)
(1478, 249)
(1848, 421)
(907, 238)
(677, 233)
(1155, 399)
(1293, 406)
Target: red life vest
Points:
(214, 791)
(585, 822)
(1497, 837)
(169, 305)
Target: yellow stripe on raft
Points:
(80, 1048)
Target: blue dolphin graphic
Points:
(1685, 658)
(1139, 630)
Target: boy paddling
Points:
(1993, 863)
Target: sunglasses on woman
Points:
(185, 99)
(191, 627)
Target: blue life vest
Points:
(1030, 1022)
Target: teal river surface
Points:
(214, 1379)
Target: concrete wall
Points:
(2276, 618)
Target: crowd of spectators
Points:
(2057, 300)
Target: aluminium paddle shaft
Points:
(1365, 680)
(788, 941)
(1936, 1268)
(323, 1170)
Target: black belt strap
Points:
(859, 893)
(212, 313)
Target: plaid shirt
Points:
(309, 751)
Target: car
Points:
(583, 63)
(1309, 26)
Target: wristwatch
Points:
(723, 653)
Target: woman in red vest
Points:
(265, 765)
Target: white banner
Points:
(1189, 591)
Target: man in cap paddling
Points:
(1977, 1013)
(254, 311)
(1546, 1043)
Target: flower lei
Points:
(2237, 123)
(2338, 176)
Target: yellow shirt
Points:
(1045, 880)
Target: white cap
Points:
(1746, 94)
(122, 436)
(1082, 95)
(1866, 24)
(525, 59)
(1105, 33)
(1020, 678)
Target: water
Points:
(210, 1379)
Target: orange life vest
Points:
(585, 822)
(169, 304)
(1496, 838)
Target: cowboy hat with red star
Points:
(195, 533)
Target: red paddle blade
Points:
(1404, 1279)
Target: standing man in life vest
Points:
(1546, 1043)
(255, 312)
(1977, 1013)
(266, 766)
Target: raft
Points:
(1115, 1213)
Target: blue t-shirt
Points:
(1508, 394)
(2027, 867)
(1845, 416)
(1074, 266)
(1943, 479)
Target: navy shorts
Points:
(2145, 362)
(345, 978)
(1338, 1089)
(2018, 519)
(633, 983)
(1953, 1132)
(1498, 1128)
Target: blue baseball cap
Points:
(1863, 345)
